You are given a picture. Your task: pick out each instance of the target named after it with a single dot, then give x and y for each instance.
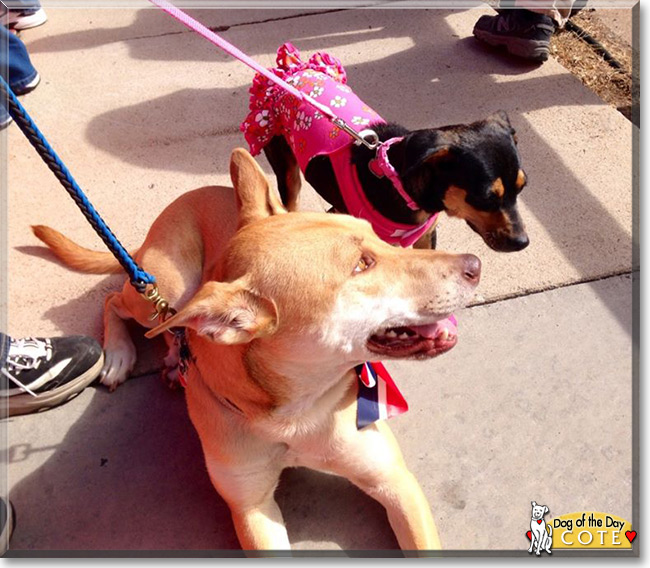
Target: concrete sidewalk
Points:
(533, 404)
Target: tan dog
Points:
(277, 314)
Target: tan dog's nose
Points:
(471, 267)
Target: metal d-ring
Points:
(367, 137)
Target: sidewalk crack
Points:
(634, 272)
(219, 29)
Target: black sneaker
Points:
(7, 517)
(522, 32)
(42, 372)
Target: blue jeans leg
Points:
(4, 71)
(4, 113)
(15, 61)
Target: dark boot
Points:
(523, 33)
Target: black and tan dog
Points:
(471, 171)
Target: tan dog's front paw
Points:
(118, 363)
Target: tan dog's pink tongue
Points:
(433, 330)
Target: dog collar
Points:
(381, 167)
(358, 205)
(185, 358)
(184, 354)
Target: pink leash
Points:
(217, 40)
(380, 166)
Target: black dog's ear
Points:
(501, 117)
(436, 156)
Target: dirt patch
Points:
(614, 86)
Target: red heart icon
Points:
(529, 535)
(539, 522)
(631, 535)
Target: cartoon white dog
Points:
(538, 531)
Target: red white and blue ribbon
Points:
(378, 398)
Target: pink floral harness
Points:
(276, 112)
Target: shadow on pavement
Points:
(129, 475)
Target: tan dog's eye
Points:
(365, 262)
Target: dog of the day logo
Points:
(583, 530)
(541, 539)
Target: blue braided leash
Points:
(139, 278)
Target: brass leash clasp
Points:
(162, 309)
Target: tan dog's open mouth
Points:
(428, 340)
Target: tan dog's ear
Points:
(225, 312)
(255, 198)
